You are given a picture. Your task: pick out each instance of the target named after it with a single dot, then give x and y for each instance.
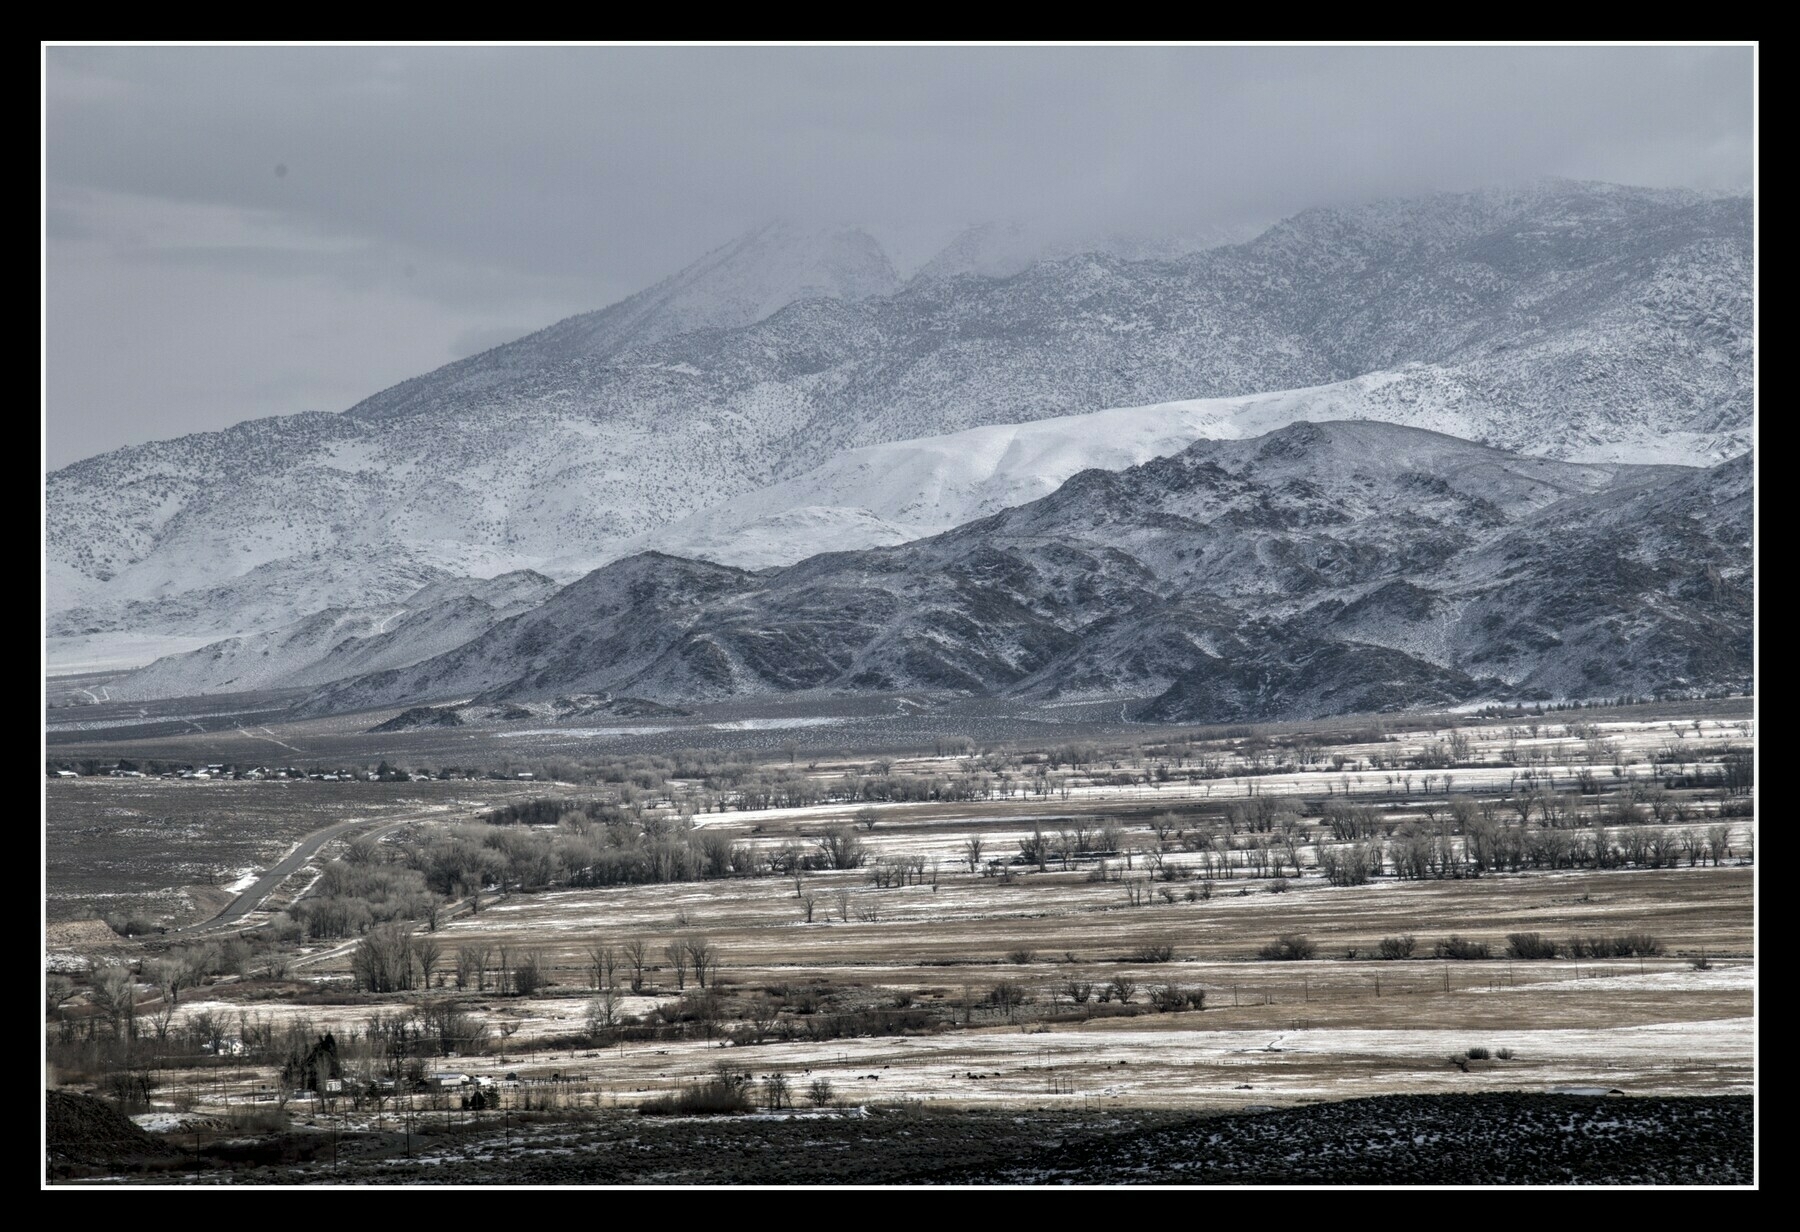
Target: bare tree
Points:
(1036, 849)
(57, 990)
(1163, 824)
(162, 1016)
(1123, 989)
(808, 900)
(676, 953)
(170, 975)
(602, 962)
(471, 966)
(635, 955)
(383, 960)
(704, 956)
(841, 848)
(426, 953)
(972, 852)
(603, 1012)
(762, 1014)
(114, 994)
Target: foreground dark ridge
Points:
(1500, 1139)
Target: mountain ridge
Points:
(1564, 319)
(1302, 572)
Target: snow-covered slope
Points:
(885, 494)
(1570, 320)
(189, 589)
(338, 642)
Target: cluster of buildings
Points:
(216, 770)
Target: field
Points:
(149, 847)
(1271, 1032)
(1091, 937)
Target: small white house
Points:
(448, 1080)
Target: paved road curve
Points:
(252, 898)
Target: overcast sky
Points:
(239, 232)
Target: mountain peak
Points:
(739, 283)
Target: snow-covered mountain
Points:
(737, 284)
(879, 495)
(1569, 320)
(1321, 568)
(208, 598)
(339, 642)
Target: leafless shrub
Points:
(1397, 947)
(1289, 947)
(1529, 946)
(722, 1094)
(1461, 948)
(1624, 945)
(529, 977)
(1169, 999)
(1007, 995)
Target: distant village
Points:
(216, 771)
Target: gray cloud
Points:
(436, 198)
